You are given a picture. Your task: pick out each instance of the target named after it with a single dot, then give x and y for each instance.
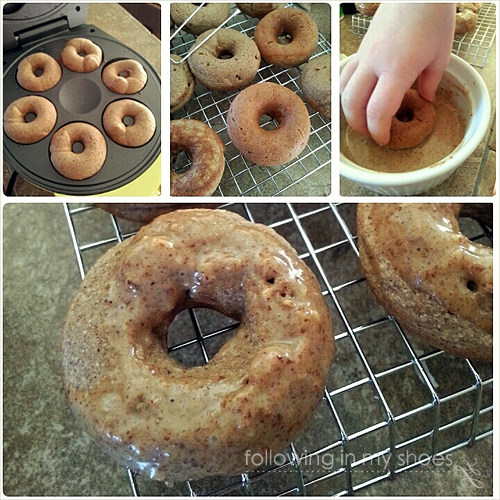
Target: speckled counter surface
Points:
(117, 22)
(476, 177)
(46, 453)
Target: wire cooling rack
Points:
(390, 403)
(474, 46)
(242, 177)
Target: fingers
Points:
(429, 79)
(347, 72)
(355, 96)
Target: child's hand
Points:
(404, 42)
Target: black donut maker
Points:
(78, 97)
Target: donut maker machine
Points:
(31, 28)
(241, 177)
(387, 395)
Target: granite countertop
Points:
(45, 451)
(117, 22)
(476, 177)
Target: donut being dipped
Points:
(174, 423)
(268, 147)
(206, 152)
(413, 122)
(38, 72)
(302, 32)
(435, 282)
(20, 129)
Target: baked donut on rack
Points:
(81, 55)
(436, 283)
(268, 147)
(208, 16)
(125, 76)
(295, 24)
(181, 83)
(214, 71)
(174, 423)
(38, 72)
(78, 150)
(129, 123)
(29, 119)
(258, 9)
(413, 122)
(316, 83)
(206, 152)
(466, 18)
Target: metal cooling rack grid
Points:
(390, 401)
(211, 107)
(474, 46)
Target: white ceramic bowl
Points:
(474, 104)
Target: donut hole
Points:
(404, 115)
(472, 286)
(124, 74)
(38, 72)
(269, 122)
(180, 162)
(30, 117)
(82, 53)
(225, 54)
(284, 38)
(77, 147)
(128, 120)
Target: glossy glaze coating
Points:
(174, 423)
(428, 275)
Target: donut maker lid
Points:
(80, 97)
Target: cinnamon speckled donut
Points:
(258, 9)
(76, 164)
(316, 83)
(181, 83)
(428, 275)
(413, 122)
(206, 152)
(252, 398)
(38, 72)
(81, 55)
(466, 18)
(209, 16)
(125, 76)
(268, 147)
(28, 132)
(296, 23)
(217, 73)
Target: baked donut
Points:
(129, 123)
(78, 151)
(217, 73)
(316, 83)
(17, 125)
(181, 83)
(268, 147)
(125, 76)
(258, 9)
(413, 122)
(293, 22)
(206, 152)
(254, 396)
(81, 55)
(210, 15)
(466, 18)
(367, 9)
(428, 275)
(38, 72)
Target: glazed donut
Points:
(210, 15)
(138, 132)
(367, 9)
(181, 84)
(38, 72)
(298, 25)
(206, 152)
(217, 73)
(413, 122)
(254, 396)
(316, 83)
(78, 165)
(268, 147)
(258, 9)
(28, 132)
(146, 212)
(81, 55)
(428, 275)
(466, 18)
(125, 76)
